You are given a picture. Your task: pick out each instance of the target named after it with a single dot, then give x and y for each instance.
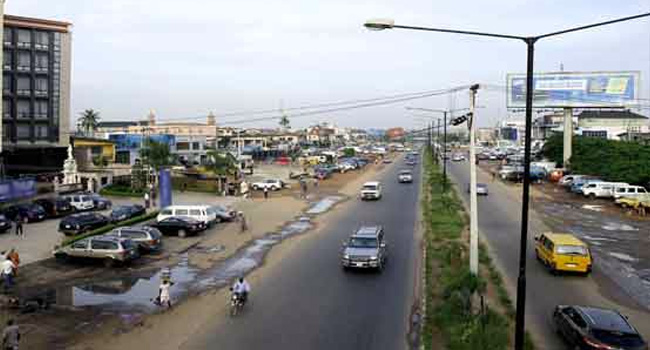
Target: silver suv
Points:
(111, 250)
(366, 248)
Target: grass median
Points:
(459, 313)
(110, 227)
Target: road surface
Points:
(307, 301)
(499, 216)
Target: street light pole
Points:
(473, 211)
(438, 142)
(444, 152)
(530, 45)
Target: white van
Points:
(629, 192)
(601, 189)
(198, 212)
(81, 202)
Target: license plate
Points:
(358, 264)
(67, 226)
(571, 265)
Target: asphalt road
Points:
(499, 216)
(307, 301)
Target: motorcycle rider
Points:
(241, 288)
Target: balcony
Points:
(41, 70)
(21, 68)
(42, 47)
(23, 92)
(24, 44)
(8, 44)
(40, 93)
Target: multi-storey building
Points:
(36, 94)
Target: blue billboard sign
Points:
(165, 188)
(579, 90)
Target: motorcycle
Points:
(236, 303)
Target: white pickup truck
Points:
(371, 190)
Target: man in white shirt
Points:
(242, 288)
(7, 270)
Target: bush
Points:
(121, 190)
(110, 227)
(190, 184)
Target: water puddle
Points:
(599, 239)
(617, 226)
(623, 257)
(597, 208)
(324, 205)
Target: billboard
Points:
(574, 89)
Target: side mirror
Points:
(344, 244)
(383, 245)
(536, 238)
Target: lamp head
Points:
(379, 24)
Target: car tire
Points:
(109, 262)
(592, 196)
(62, 257)
(255, 187)
(553, 269)
(182, 233)
(274, 188)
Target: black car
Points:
(82, 222)
(595, 328)
(4, 224)
(125, 212)
(55, 207)
(28, 212)
(181, 226)
(100, 202)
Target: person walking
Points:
(15, 258)
(243, 223)
(19, 226)
(7, 270)
(146, 200)
(164, 298)
(266, 192)
(10, 336)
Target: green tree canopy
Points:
(285, 122)
(157, 154)
(88, 121)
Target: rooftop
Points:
(600, 114)
(39, 23)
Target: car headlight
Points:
(373, 258)
(346, 256)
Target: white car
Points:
(458, 157)
(601, 189)
(271, 184)
(81, 202)
(201, 213)
(405, 176)
(371, 190)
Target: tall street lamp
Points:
(530, 41)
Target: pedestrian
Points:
(153, 197)
(266, 192)
(164, 298)
(10, 336)
(7, 272)
(243, 223)
(19, 226)
(146, 200)
(494, 175)
(316, 183)
(15, 258)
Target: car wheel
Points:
(274, 188)
(255, 188)
(62, 257)
(182, 233)
(592, 196)
(553, 269)
(218, 219)
(109, 262)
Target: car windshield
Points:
(618, 338)
(370, 187)
(405, 173)
(571, 250)
(363, 242)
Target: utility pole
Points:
(473, 215)
(444, 152)
(438, 142)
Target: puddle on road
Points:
(324, 205)
(592, 207)
(136, 293)
(623, 257)
(599, 239)
(617, 226)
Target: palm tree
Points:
(89, 121)
(220, 162)
(284, 122)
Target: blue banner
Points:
(165, 188)
(5, 191)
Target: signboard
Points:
(165, 188)
(579, 90)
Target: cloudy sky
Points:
(186, 58)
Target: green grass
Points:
(448, 292)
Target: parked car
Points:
(371, 190)
(629, 192)
(567, 180)
(148, 238)
(55, 207)
(81, 202)
(222, 213)
(366, 248)
(110, 249)
(387, 161)
(271, 184)
(5, 224)
(481, 189)
(584, 327)
(595, 190)
(196, 212)
(458, 157)
(563, 252)
(29, 212)
(405, 176)
(82, 222)
(125, 212)
(180, 226)
(576, 185)
(100, 202)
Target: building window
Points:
(40, 109)
(104, 180)
(22, 132)
(196, 146)
(42, 40)
(6, 83)
(22, 109)
(123, 157)
(8, 36)
(24, 38)
(23, 86)
(24, 61)
(42, 62)
(182, 146)
(41, 87)
(41, 131)
(6, 108)
(595, 133)
(6, 133)
(96, 150)
(8, 59)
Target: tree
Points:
(157, 154)
(89, 121)
(220, 162)
(349, 152)
(285, 122)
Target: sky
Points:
(184, 59)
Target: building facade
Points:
(36, 94)
(610, 124)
